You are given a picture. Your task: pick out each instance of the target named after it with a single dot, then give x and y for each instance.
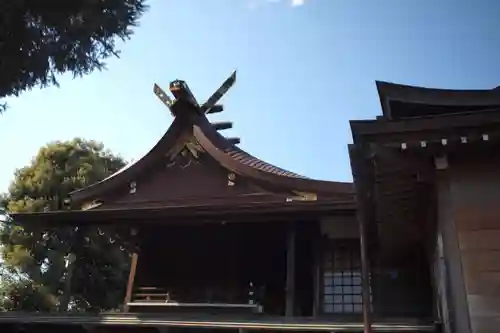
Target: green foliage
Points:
(24, 294)
(35, 259)
(40, 39)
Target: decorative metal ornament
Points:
(184, 154)
(133, 187)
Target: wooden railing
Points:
(147, 299)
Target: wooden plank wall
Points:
(475, 194)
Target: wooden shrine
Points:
(223, 240)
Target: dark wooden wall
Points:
(474, 191)
(216, 262)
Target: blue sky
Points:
(304, 69)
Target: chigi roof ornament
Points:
(185, 97)
(181, 92)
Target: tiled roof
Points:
(252, 161)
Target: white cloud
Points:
(296, 3)
(253, 4)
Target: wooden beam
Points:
(215, 109)
(117, 321)
(419, 125)
(130, 283)
(290, 271)
(234, 141)
(222, 125)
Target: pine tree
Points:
(40, 39)
(35, 259)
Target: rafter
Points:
(234, 141)
(215, 109)
(222, 125)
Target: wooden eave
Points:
(432, 96)
(383, 127)
(221, 150)
(393, 185)
(224, 152)
(134, 169)
(188, 213)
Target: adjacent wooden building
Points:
(224, 240)
(428, 194)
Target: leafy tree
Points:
(35, 259)
(39, 39)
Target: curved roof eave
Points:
(132, 169)
(224, 152)
(433, 96)
(218, 147)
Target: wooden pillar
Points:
(75, 246)
(316, 271)
(130, 283)
(453, 278)
(358, 155)
(133, 269)
(290, 271)
(70, 268)
(365, 273)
